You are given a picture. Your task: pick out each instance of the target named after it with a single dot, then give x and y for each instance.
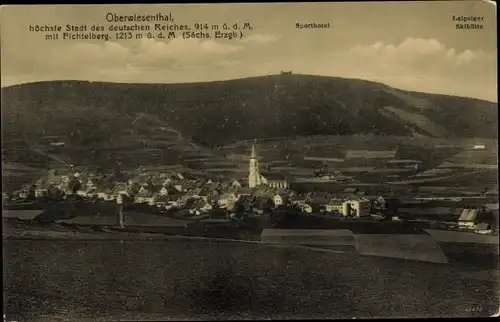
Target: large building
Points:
(357, 207)
(275, 180)
(254, 177)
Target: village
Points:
(173, 191)
(184, 194)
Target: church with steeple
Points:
(254, 177)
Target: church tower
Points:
(254, 173)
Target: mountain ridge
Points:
(99, 115)
(248, 78)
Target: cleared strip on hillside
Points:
(358, 169)
(469, 165)
(392, 170)
(420, 121)
(370, 154)
(404, 161)
(323, 159)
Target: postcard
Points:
(250, 161)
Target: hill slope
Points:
(91, 116)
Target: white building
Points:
(306, 208)
(335, 205)
(356, 207)
(467, 218)
(275, 180)
(41, 192)
(163, 191)
(227, 200)
(479, 147)
(254, 177)
(483, 228)
(278, 200)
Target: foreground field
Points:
(196, 279)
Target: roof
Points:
(173, 197)
(196, 191)
(190, 184)
(335, 201)
(41, 181)
(91, 189)
(198, 204)
(103, 185)
(204, 192)
(245, 190)
(463, 215)
(319, 201)
(275, 177)
(319, 195)
(230, 190)
(468, 215)
(262, 198)
(491, 192)
(153, 188)
(121, 186)
(359, 199)
(264, 192)
(228, 195)
(483, 226)
(492, 206)
(169, 189)
(167, 181)
(162, 198)
(247, 199)
(147, 194)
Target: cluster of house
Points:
(347, 203)
(481, 221)
(164, 190)
(199, 196)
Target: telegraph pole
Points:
(121, 216)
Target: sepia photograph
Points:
(249, 161)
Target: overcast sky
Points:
(408, 45)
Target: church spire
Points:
(254, 174)
(254, 153)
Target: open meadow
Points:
(201, 279)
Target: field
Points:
(15, 175)
(362, 159)
(377, 159)
(58, 279)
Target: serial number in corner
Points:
(312, 25)
(476, 308)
